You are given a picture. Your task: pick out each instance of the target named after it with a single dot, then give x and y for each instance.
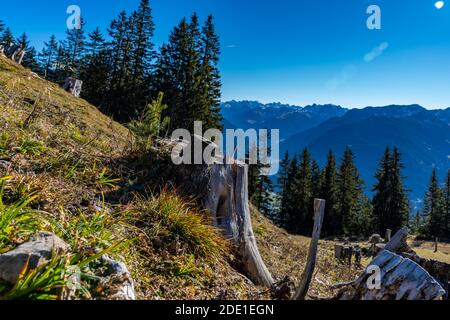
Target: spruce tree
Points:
(75, 46)
(316, 179)
(2, 26)
(303, 195)
(7, 36)
(30, 57)
(399, 203)
(143, 52)
(210, 76)
(96, 70)
(350, 194)
(48, 56)
(328, 192)
(447, 205)
(288, 198)
(433, 211)
(283, 180)
(382, 193)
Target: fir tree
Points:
(329, 194)
(2, 26)
(434, 208)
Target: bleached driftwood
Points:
(227, 200)
(400, 279)
(302, 290)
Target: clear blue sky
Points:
(293, 51)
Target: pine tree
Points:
(48, 56)
(329, 194)
(7, 36)
(2, 26)
(303, 196)
(434, 209)
(350, 194)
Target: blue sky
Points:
(294, 51)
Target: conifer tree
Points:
(329, 194)
(316, 179)
(75, 46)
(390, 202)
(2, 26)
(399, 203)
(282, 182)
(7, 36)
(350, 193)
(143, 51)
(48, 56)
(381, 198)
(434, 208)
(210, 76)
(447, 205)
(288, 198)
(303, 195)
(30, 57)
(96, 70)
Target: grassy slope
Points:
(71, 155)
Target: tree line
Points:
(123, 72)
(349, 212)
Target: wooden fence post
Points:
(319, 209)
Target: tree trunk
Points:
(227, 200)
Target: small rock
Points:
(38, 250)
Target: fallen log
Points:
(302, 290)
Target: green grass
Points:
(31, 147)
(169, 218)
(17, 220)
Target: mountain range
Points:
(422, 136)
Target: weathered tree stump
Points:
(338, 249)
(227, 201)
(74, 86)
